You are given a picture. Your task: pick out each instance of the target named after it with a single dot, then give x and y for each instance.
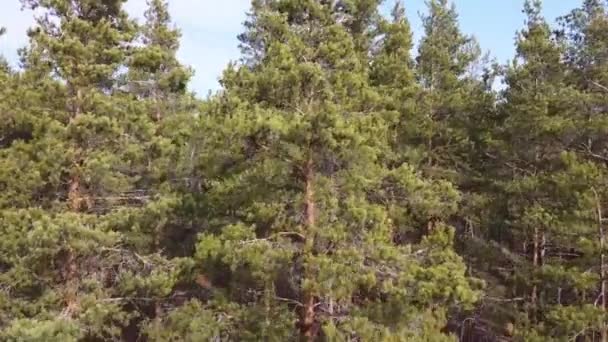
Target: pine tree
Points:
(334, 189)
(72, 202)
(6, 82)
(155, 73)
(586, 41)
(393, 63)
(529, 99)
(307, 224)
(361, 19)
(445, 57)
(159, 82)
(547, 189)
(392, 73)
(447, 135)
(587, 44)
(85, 51)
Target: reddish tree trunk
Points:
(307, 317)
(602, 242)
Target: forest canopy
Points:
(346, 183)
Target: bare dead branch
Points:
(603, 87)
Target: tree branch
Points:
(604, 88)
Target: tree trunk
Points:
(307, 317)
(541, 262)
(538, 256)
(602, 241)
(535, 254)
(157, 110)
(542, 249)
(76, 203)
(74, 195)
(69, 271)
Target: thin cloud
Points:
(16, 23)
(209, 30)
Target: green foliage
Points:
(83, 169)
(337, 188)
(39, 331)
(308, 207)
(155, 73)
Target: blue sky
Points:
(210, 27)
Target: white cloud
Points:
(16, 22)
(209, 29)
(212, 15)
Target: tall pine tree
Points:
(547, 190)
(155, 74)
(450, 90)
(308, 226)
(72, 185)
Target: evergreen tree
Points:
(392, 73)
(447, 135)
(547, 190)
(159, 82)
(307, 224)
(393, 64)
(361, 18)
(335, 189)
(155, 73)
(587, 44)
(73, 205)
(445, 57)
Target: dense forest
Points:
(345, 183)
